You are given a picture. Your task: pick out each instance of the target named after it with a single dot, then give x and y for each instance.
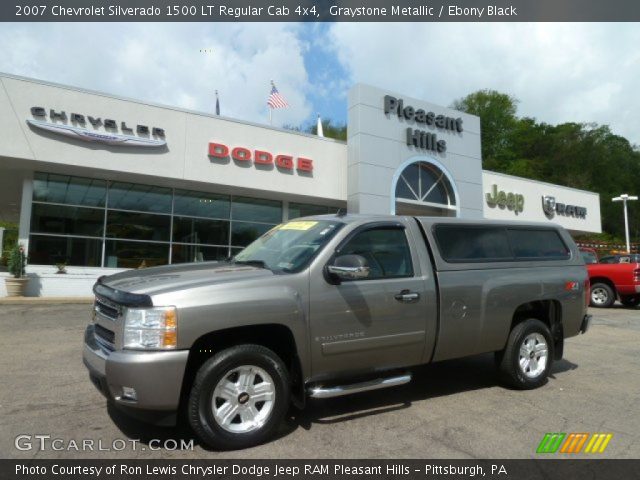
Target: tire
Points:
(530, 339)
(601, 296)
(630, 300)
(222, 409)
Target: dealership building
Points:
(103, 183)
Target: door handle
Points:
(407, 296)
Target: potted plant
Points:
(17, 283)
(62, 267)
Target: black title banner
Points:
(322, 469)
(319, 11)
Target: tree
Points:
(330, 130)
(497, 112)
(585, 156)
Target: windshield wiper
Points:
(253, 263)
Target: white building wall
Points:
(45, 282)
(377, 147)
(184, 159)
(359, 173)
(532, 192)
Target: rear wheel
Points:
(239, 397)
(602, 295)
(631, 300)
(526, 360)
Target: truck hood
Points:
(169, 278)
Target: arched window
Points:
(424, 188)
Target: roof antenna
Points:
(341, 212)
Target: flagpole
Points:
(270, 117)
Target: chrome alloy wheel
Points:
(599, 296)
(243, 399)
(534, 354)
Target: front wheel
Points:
(526, 361)
(239, 397)
(602, 295)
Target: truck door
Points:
(374, 322)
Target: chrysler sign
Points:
(79, 130)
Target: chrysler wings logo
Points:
(89, 136)
(78, 129)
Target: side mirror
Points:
(349, 267)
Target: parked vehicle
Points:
(611, 281)
(589, 255)
(621, 258)
(332, 305)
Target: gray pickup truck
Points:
(332, 305)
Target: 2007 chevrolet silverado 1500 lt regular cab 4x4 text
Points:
(331, 305)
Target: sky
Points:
(582, 72)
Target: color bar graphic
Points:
(574, 442)
(550, 443)
(598, 443)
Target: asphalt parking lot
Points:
(454, 409)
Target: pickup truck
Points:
(610, 281)
(331, 305)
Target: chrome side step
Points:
(338, 391)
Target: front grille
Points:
(105, 334)
(107, 308)
(105, 337)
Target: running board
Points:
(338, 391)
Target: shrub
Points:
(17, 261)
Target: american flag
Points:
(275, 99)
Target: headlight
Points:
(151, 328)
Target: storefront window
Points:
(243, 233)
(61, 220)
(196, 230)
(305, 210)
(424, 182)
(73, 218)
(423, 188)
(197, 253)
(256, 210)
(83, 252)
(138, 226)
(143, 198)
(52, 188)
(122, 254)
(196, 204)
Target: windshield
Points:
(289, 247)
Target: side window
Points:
(386, 251)
(539, 244)
(472, 243)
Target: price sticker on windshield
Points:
(298, 225)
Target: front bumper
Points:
(155, 376)
(586, 323)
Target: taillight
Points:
(587, 291)
(636, 275)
